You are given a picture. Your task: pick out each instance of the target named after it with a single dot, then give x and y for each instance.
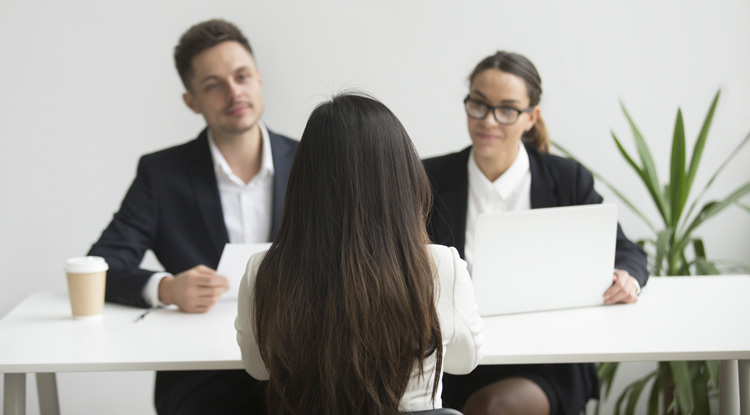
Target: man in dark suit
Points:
(187, 201)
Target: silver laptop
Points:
(544, 259)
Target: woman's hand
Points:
(624, 289)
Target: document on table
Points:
(233, 263)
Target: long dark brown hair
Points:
(344, 299)
(518, 65)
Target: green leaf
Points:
(700, 143)
(627, 156)
(662, 246)
(683, 389)
(698, 248)
(650, 176)
(597, 407)
(653, 396)
(606, 372)
(604, 369)
(684, 268)
(703, 266)
(621, 399)
(654, 192)
(643, 242)
(611, 187)
(682, 265)
(700, 388)
(711, 209)
(713, 177)
(746, 207)
(712, 367)
(629, 390)
(733, 267)
(636, 392)
(677, 194)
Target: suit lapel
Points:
(206, 191)
(543, 192)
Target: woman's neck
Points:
(494, 166)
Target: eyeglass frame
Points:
(494, 114)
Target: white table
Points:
(676, 318)
(696, 318)
(40, 336)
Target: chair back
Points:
(438, 411)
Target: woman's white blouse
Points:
(456, 307)
(510, 192)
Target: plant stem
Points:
(668, 395)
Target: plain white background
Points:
(86, 87)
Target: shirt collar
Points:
(504, 185)
(266, 163)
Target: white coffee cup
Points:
(86, 283)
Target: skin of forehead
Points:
(211, 62)
(498, 87)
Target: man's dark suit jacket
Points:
(555, 181)
(173, 208)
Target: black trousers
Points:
(208, 392)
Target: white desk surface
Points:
(677, 318)
(39, 335)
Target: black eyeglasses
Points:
(504, 114)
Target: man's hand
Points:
(194, 291)
(623, 289)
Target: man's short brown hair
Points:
(203, 36)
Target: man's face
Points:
(226, 89)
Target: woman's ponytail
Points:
(538, 136)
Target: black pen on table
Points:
(145, 313)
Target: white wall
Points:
(86, 87)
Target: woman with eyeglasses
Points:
(508, 168)
(351, 311)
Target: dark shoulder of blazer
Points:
(556, 181)
(449, 179)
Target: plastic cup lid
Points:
(86, 264)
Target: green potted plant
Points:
(673, 249)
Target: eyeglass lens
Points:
(503, 115)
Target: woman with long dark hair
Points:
(351, 311)
(509, 168)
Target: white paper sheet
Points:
(233, 263)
